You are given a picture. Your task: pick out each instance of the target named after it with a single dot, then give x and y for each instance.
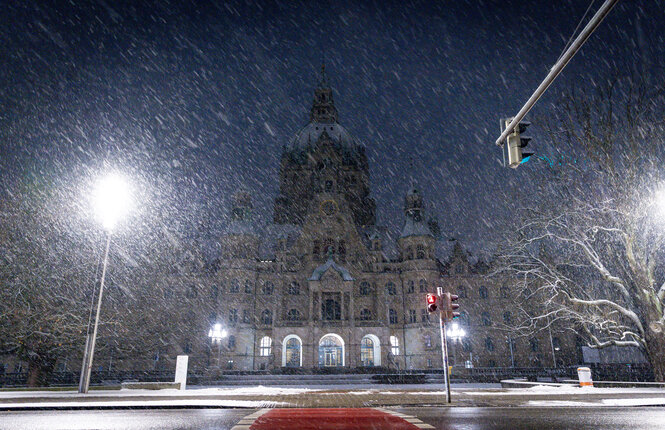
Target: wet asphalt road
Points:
(468, 418)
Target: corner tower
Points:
(323, 158)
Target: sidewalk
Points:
(270, 397)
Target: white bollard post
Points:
(181, 370)
(584, 376)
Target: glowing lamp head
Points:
(112, 200)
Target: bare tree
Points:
(589, 253)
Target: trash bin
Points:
(584, 376)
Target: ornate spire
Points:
(323, 109)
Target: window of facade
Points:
(424, 316)
(410, 287)
(341, 248)
(412, 316)
(232, 342)
(420, 252)
(486, 319)
(329, 186)
(507, 317)
(316, 248)
(367, 352)
(266, 317)
(268, 288)
(233, 316)
(464, 318)
(294, 288)
(409, 253)
(248, 287)
(394, 345)
(482, 292)
(245, 316)
(489, 344)
(235, 286)
(491, 363)
(461, 292)
(392, 315)
(429, 362)
(265, 346)
(391, 289)
(292, 352)
(331, 310)
(293, 315)
(459, 269)
(422, 285)
(364, 288)
(466, 345)
(505, 292)
(365, 315)
(427, 340)
(214, 292)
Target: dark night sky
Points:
(195, 99)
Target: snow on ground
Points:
(151, 403)
(570, 389)
(649, 401)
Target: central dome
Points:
(311, 133)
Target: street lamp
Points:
(455, 332)
(112, 201)
(216, 334)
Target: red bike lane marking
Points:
(330, 419)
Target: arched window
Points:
(232, 342)
(294, 288)
(394, 345)
(410, 287)
(391, 289)
(489, 344)
(507, 317)
(461, 292)
(268, 288)
(316, 248)
(248, 287)
(423, 285)
(486, 319)
(293, 315)
(482, 292)
(291, 355)
(365, 315)
(365, 288)
(266, 317)
(265, 346)
(235, 286)
(341, 248)
(409, 253)
(370, 351)
(392, 313)
(420, 252)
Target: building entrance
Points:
(331, 351)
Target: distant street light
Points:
(111, 201)
(216, 334)
(455, 332)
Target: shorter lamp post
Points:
(455, 333)
(216, 334)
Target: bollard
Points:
(584, 376)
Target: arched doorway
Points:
(292, 351)
(331, 351)
(370, 351)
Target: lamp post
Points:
(455, 332)
(111, 200)
(216, 334)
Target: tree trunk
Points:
(39, 373)
(656, 353)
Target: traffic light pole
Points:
(444, 349)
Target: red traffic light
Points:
(431, 303)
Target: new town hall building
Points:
(323, 285)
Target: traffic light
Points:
(516, 142)
(431, 303)
(450, 307)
